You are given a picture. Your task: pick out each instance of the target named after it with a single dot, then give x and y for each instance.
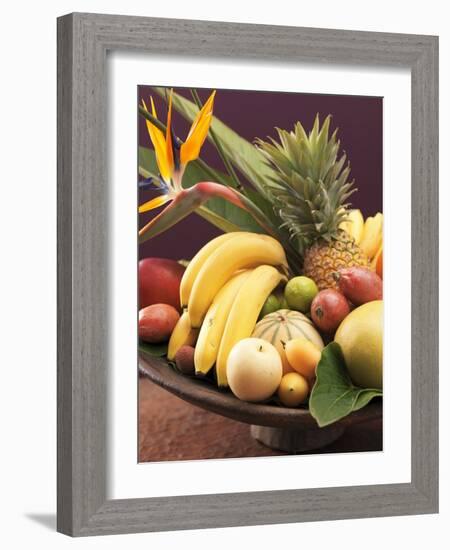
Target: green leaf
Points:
(144, 173)
(147, 161)
(231, 216)
(218, 221)
(334, 396)
(265, 206)
(219, 212)
(156, 350)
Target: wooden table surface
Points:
(171, 429)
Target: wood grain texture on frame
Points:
(83, 244)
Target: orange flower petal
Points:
(206, 109)
(190, 149)
(159, 143)
(154, 203)
(169, 144)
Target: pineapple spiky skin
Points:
(323, 258)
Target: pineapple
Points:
(310, 190)
(323, 258)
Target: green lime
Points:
(300, 292)
(271, 305)
(283, 301)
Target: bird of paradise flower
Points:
(172, 157)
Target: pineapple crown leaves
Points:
(309, 186)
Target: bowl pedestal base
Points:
(296, 441)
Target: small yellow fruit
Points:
(254, 369)
(293, 389)
(303, 356)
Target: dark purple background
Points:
(255, 114)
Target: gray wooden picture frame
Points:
(83, 42)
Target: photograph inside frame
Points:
(260, 273)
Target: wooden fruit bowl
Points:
(286, 429)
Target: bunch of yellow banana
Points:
(224, 288)
(368, 234)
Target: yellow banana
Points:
(244, 313)
(372, 235)
(196, 263)
(213, 326)
(243, 251)
(354, 225)
(183, 335)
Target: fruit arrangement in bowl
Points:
(247, 327)
(285, 307)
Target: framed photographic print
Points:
(247, 284)
(280, 196)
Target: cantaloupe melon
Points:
(285, 325)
